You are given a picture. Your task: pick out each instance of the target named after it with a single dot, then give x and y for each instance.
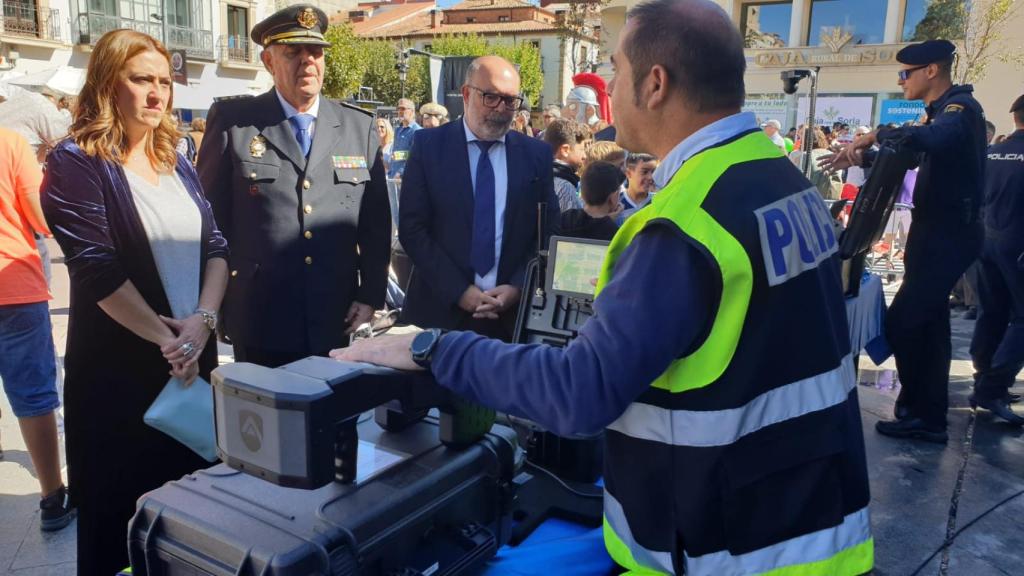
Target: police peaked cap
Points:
(926, 53)
(298, 24)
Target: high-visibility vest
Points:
(746, 456)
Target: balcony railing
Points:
(24, 19)
(238, 49)
(196, 43)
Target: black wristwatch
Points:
(423, 345)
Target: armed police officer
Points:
(998, 344)
(945, 232)
(297, 186)
(732, 429)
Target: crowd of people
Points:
(268, 225)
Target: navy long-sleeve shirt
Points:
(656, 308)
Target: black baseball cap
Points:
(927, 52)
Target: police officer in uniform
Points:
(945, 233)
(998, 344)
(297, 186)
(733, 441)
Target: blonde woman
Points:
(386, 134)
(148, 271)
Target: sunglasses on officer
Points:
(904, 74)
(491, 99)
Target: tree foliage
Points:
(576, 24)
(343, 62)
(352, 62)
(978, 25)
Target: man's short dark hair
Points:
(696, 43)
(599, 181)
(1017, 109)
(632, 159)
(564, 131)
(945, 67)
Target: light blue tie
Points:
(301, 123)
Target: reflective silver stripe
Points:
(813, 547)
(616, 519)
(723, 427)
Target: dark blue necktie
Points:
(482, 251)
(301, 123)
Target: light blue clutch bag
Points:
(186, 414)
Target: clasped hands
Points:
(182, 352)
(489, 304)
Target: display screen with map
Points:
(574, 266)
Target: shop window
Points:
(862, 20)
(933, 19)
(766, 24)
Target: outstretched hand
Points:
(391, 351)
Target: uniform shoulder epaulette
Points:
(953, 108)
(351, 106)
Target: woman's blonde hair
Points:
(388, 131)
(606, 151)
(98, 128)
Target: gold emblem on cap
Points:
(258, 146)
(308, 19)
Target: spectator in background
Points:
(27, 364)
(406, 111)
(639, 185)
(600, 184)
(386, 136)
(828, 185)
(858, 175)
(35, 117)
(990, 131)
(771, 129)
(188, 145)
(567, 139)
(521, 122)
(551, 113)
(605, 151)
(433, 115)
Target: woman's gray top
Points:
(174, 228)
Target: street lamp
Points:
(790, 81)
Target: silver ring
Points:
(187, 349)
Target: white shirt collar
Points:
(290, 110)
(470, 137)
(717, 131)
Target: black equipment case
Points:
(425, 509)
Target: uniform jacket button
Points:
(309, 259)
(306, 184)
(308, 234)
(308, 209)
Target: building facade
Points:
(499, 21)
(855, 43)
(39, 35)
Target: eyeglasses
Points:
(904, 74)
(491, 100)
(432, 115)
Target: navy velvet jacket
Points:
(90, 209)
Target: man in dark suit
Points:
(298, 188)
(469, 205)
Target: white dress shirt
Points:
(290, 111)
(498, 162)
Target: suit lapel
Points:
(326, 134)
(515, 193)
(463, 184)
(278, 131)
